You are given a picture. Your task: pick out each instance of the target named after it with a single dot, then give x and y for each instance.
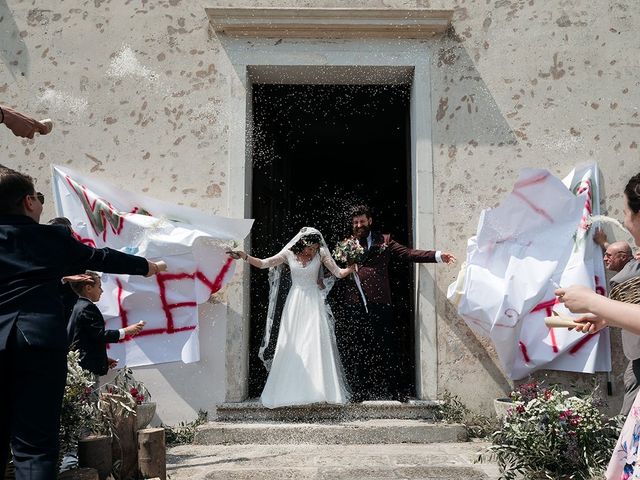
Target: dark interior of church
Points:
(316, 151)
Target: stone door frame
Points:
(342, 61)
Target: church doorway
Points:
(316, 150)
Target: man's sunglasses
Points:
(39, 196)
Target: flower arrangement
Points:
(79, 414)
(551, 434)
(348, 251)
(124, 382)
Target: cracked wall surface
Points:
(139, 92)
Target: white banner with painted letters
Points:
(192, 243)
(539, 237)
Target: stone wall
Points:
(139, 93)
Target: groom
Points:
(372, 369)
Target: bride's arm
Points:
(259, 262)
(331, 265)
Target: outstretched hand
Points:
(447, 257)
(135, 329)
(237, 254)
(22, 125)
(156, 267)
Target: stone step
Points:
(253, 411)
(373, 431)
(442, 472)
(338, 462)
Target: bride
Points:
(306, 366)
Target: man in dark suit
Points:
(88, 330)
(33, 337)
(374, 358)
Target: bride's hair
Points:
(305, 241)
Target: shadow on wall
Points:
(466, 337)
(465, 111)
(15, 55)
(180, 389)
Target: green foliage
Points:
(78, 415)
(125, 382)
(452, 410)
(185, 432)
(552, 434)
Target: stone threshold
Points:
(371, 431)
(254, 411)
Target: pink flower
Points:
(133, 392)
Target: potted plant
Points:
(144, 409)
(549, 433)
(79, 416)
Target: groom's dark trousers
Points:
(33, 336)
(373, 371)
(371, 352)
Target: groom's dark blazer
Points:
(90, 337)
(373, 270)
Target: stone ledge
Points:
(379, 431)
(329, 22)
(254, 411)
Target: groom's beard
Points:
(362, 232)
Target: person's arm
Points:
(81, 257)
(91, 321)
(331, 265)
(604, 311)
(97, 332)
(335, 270)
(419, 256)
(22, 125)
(258, 262)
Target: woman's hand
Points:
(590, 324)
(237, 254)
(577, 298)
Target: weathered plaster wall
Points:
(526, 83)
(139, 91)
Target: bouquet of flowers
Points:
(551, 434)
(348, 251)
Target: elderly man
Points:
(619, 258)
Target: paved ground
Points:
(331, 462)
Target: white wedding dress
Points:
(306, 366)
